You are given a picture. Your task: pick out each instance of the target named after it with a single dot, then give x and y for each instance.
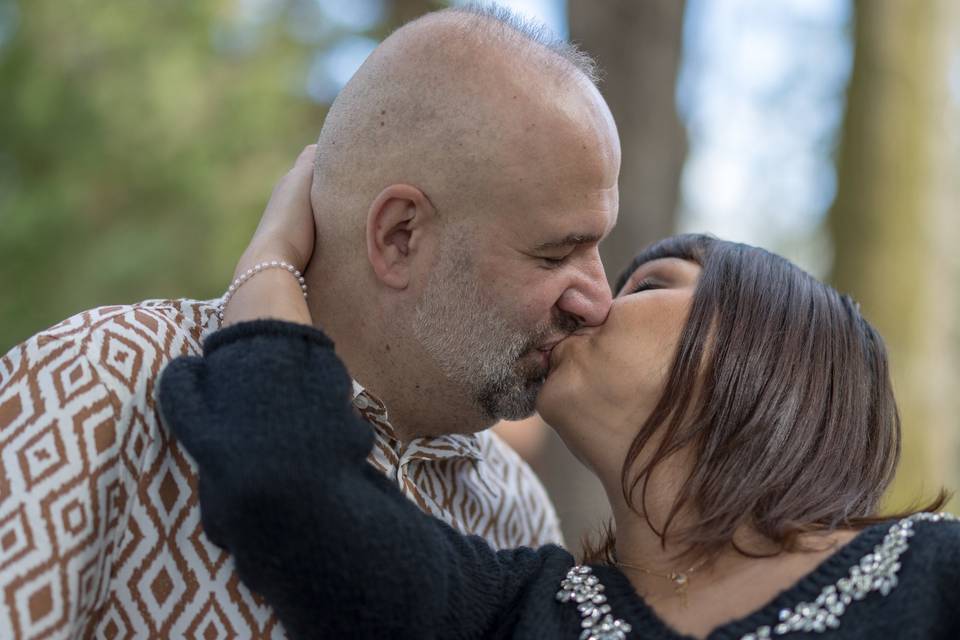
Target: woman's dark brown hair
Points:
(781, 391)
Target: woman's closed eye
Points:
(645, 285)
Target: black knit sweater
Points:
(340, 552)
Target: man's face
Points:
(505, 291)
(519, 265)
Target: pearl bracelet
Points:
(254, 270)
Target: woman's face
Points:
(604, 381)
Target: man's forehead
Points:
(561, 230)
(571, 225)
(541, 224)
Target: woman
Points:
(738, 413)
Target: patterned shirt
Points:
(100, 532)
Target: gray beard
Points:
(474, 345)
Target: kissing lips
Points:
(546, 351)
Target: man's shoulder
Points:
(493, 446)
(509, 466)
(518, 481)
(120, 341)
(195, 318)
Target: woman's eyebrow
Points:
(644, 270)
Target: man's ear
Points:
(396, 224)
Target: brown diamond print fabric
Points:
(100, 531)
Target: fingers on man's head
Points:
(304, 164)
(308, 154)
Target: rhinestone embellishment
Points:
(584, 588)
(876, 571)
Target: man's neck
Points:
(424, 413)
(419, 401)
(416, 406)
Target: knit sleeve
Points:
(331, 544)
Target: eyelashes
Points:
(553, 263)
(645, 285)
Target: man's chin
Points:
(515, 400)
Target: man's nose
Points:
(589, 298)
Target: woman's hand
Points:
(286, 232)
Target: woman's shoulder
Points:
(921, 548)
(892, 576)
(926, 574)
(934, 540)
(940, 525)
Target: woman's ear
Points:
(396, 223)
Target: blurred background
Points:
(139, 142)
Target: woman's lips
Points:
(547, 350)
(551, 354)
(556, 348)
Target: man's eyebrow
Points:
(569, 241)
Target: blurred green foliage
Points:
(135, 154)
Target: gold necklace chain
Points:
(680, 579)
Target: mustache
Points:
(559, 326)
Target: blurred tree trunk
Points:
(403, 11)
(895, 221)
(637, 45)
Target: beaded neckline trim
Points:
(584, 588)
(876, 571)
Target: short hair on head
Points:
(497, 16)
(425, 108)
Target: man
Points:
(464, 178)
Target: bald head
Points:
(459, 104)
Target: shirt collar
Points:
(443, 447)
